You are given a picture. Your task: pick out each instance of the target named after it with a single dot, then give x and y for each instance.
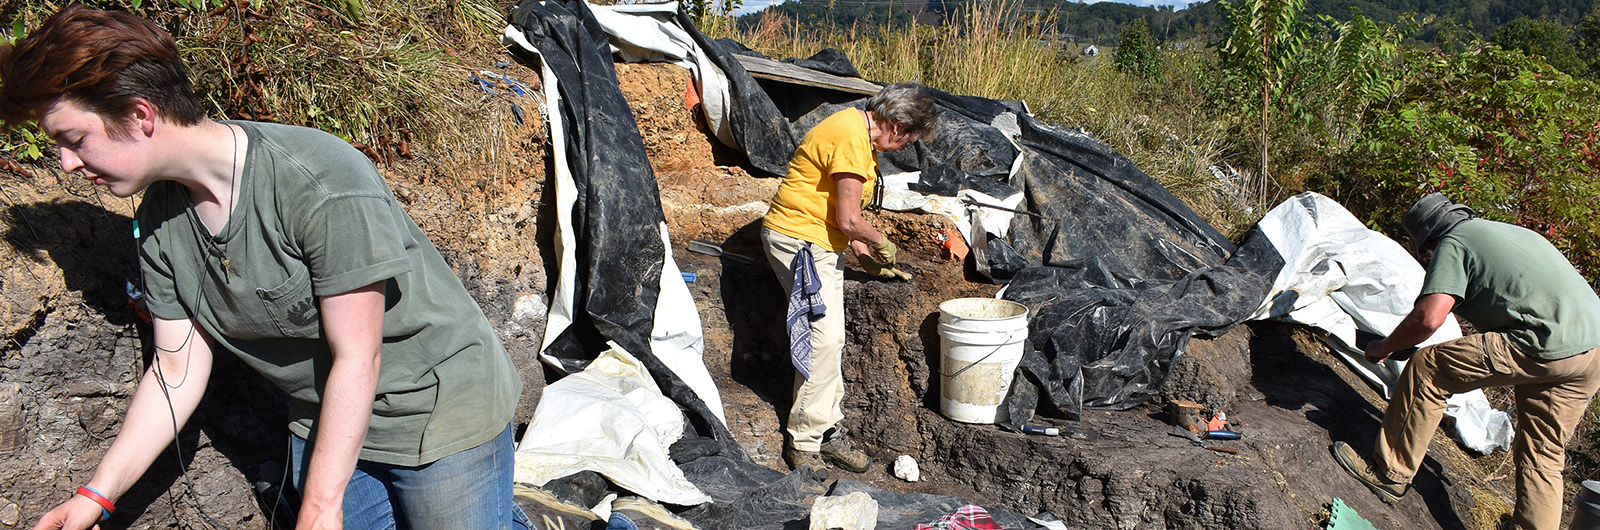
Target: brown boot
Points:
(798, 459)
(836, 449)
(1357, 467)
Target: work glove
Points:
(885, 252)
(887, 272)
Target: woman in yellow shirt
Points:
(815, 217)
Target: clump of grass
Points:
(373, 72)
(376, 76)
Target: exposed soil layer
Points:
(72, 352)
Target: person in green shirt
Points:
(1540, 329)
(283, 246)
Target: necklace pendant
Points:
(227, 267)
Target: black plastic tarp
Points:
(619, 252)
(1118, 273)
(756, 124)
(617, 217)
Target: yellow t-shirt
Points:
(804, 207)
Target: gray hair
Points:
(907, 105)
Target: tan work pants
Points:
(1551, 398)
(816, 400)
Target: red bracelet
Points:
(105, 504)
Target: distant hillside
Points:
(1096, 23)
(1099, 22)
(1482, 16)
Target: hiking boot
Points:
(634, 513)
(1357, 466)
(798, 459)
(836, 449)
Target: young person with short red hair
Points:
(283, 246)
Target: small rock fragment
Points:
(10, 513)
(13, 418)
(905, 467)
(856, 511)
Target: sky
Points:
(751, 6)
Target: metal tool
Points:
(712, 249)
(1076, 433)
(969, 201)
(1198, 443)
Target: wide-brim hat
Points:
(1432, 217)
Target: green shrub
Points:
(1586, 40)
(1544, 38)
(1495, 129)
(1137, 52)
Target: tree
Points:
(1263, 38)
(1453, 36)
(1137, 52)
(1586, 41)
(1545, 39)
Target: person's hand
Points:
(1374, 352)
(887, 272)
(861, 251)
(884, 252)
(316, 518)
(77, 513)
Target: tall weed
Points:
(372, 72)
(994, 51)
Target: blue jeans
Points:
(467, 490)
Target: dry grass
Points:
(379, 79)
(995, 53)
(375, 72)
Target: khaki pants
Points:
(816, 400)
(1551, 399)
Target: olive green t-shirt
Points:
(315, 218)
(1511, 280)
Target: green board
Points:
(1345, 518)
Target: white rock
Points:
(905, 467)
(856, 511)
(528, 307)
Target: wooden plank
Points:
(788, 73)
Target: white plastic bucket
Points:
(1586, 507)
(980, 345)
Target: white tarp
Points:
(898, 196)
(647, 33)
(676, 338)
(610, 418)
(1339, 276)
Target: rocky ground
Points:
(72, 351)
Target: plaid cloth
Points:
(805, 307)
(969, 517)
